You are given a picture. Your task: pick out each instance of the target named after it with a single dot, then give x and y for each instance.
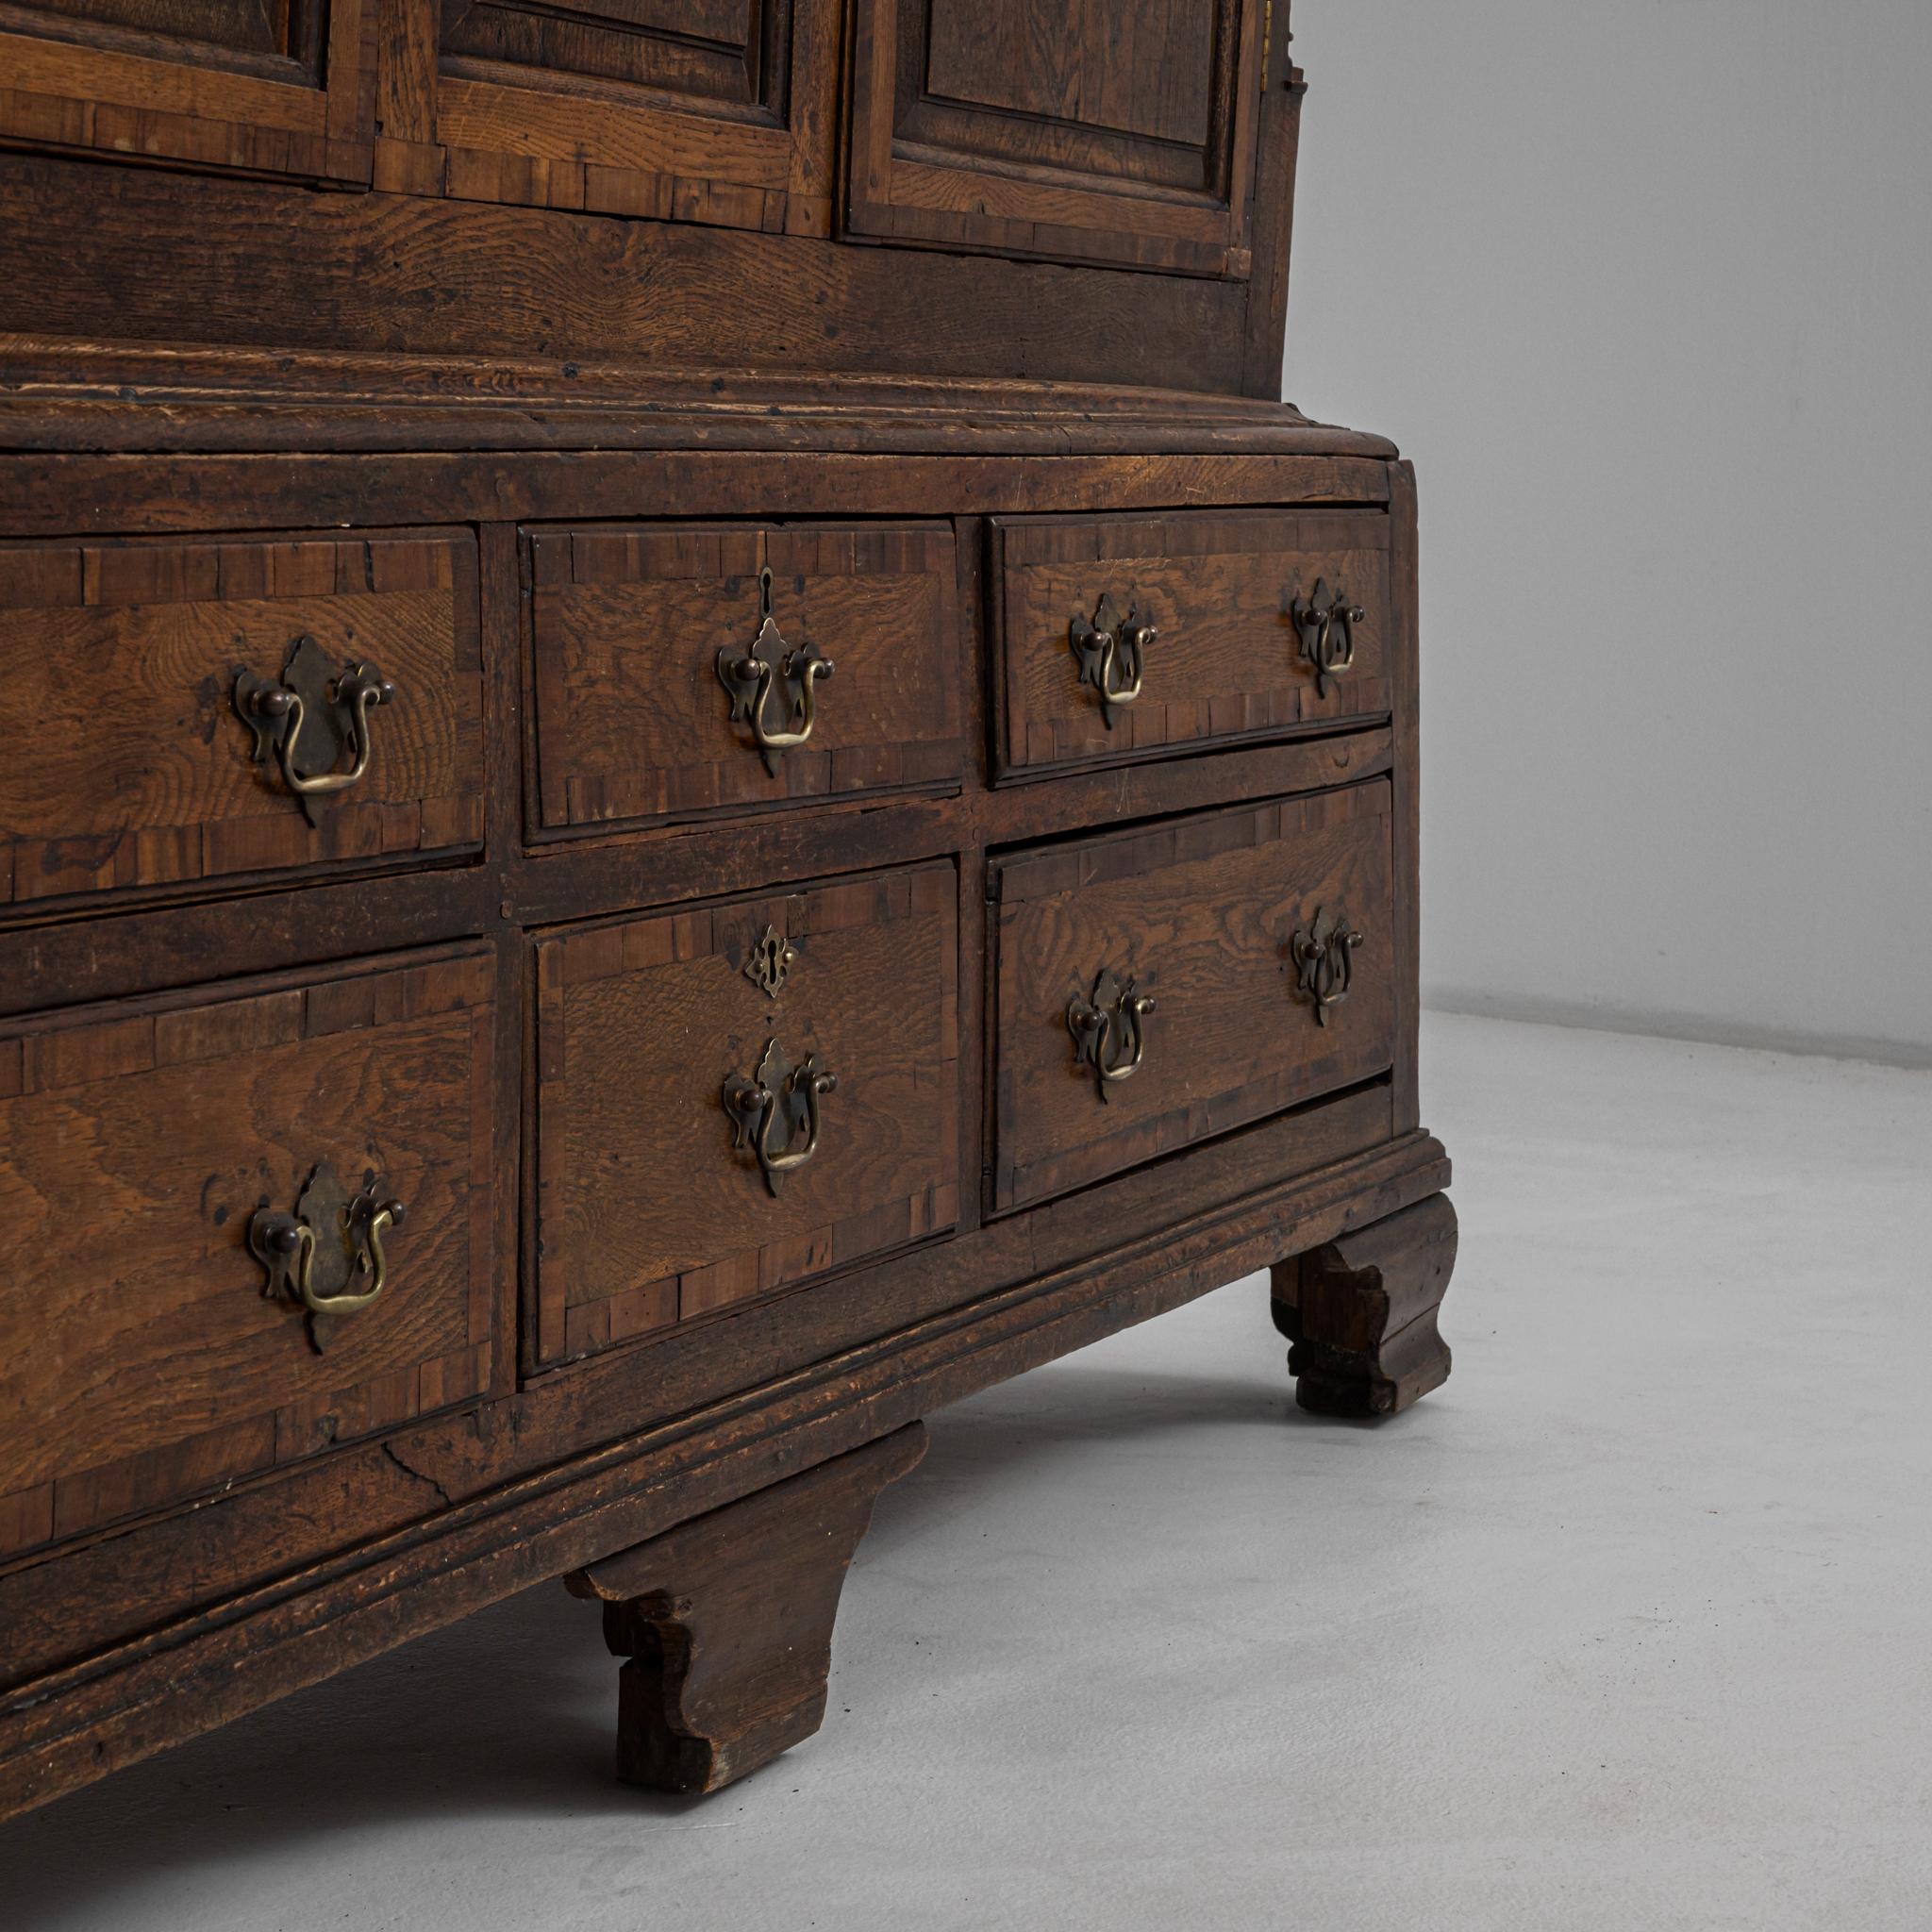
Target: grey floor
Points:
(1631, 1627)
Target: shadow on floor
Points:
(509, 1711)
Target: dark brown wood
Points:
(726, 1621)
(523, 424)
(1360, 1313)
(212, 83)
(120, 254)
(1202, 913)
(130, 766)
(695, 111)
(648, 1212)
(1097, 132)
(632, 721)
(136, 1144)
(1221, 590)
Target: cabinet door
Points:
(1117, 131)
(718, 111)
(281, 86)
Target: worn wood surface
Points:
(1360, 1313)
(1116, 133)
(647, 1212)
(212, 83)
(1221, 589)
(136, 1142)
(519, 422)
(129, 765)
(726, 1621)
(1202, 913)
(316, 1619)
(632, 721)
(121, 255)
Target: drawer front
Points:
(1263, 621)
(1236, 925)
(129, 763)
(681, 670)
(146, 1352)
(667, 1043)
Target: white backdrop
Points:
(1646, 291)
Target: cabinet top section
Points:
(1054, 190)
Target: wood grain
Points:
(1202, 913)
(1122, 134)
(631, 720)
(1220, 587)
(214, 91)
(133, 1329)
(647, 1214)
(727, 1620)
(129, 766)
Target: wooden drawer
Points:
(128, 764)
(1236, 599)
(635, 719)
(1207, 916)
(142, 1358)
(652, 1210)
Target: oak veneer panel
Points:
(1220, 587)
(684, 111)
(139, 1360)
(214, 83)
(122, 255)
(128, 765)
(647, 1212)
(1120, 133)
(632, 721)
(1202, 912)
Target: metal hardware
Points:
(1325, 624)
(1110, 652)
(1324, 962)
(767, 666)
(771, 960)
(1107, 1029)
(311, 719)
(331, 1239)
(771, 1110)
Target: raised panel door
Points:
(1102, 130)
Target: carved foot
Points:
(727, 1620)
(1360, 1313)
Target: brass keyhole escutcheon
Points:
(773, 687)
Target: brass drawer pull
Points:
(1107, 1029)
(775, 1114)
(310, 718)
(331, 1238)
(1112, 653)
(1324, 962)
(767, 666)
(1325, 624)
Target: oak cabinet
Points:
(693, 762)
(714, 111)
(1091, 132)
(286, 88)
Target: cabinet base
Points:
(1360, 1314)
(727, 1621)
